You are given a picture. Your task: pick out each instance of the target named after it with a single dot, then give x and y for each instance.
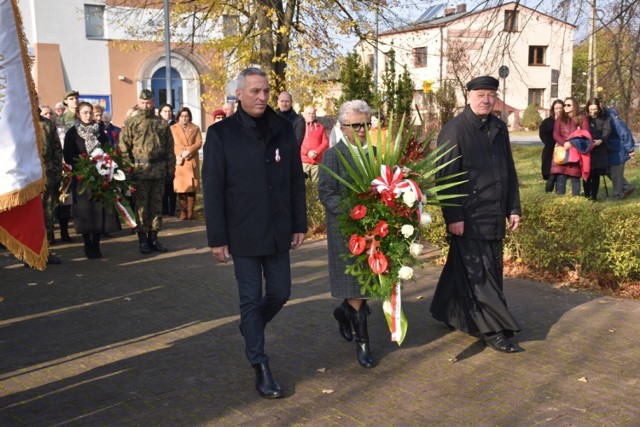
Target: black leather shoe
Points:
(499, 342)
(344, 326)
(53, 260)
(265, 384)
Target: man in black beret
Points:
(469, 294)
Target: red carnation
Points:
(378, 262)
(105, 186)
(83, 155)
(382, 229)
(357, 244)
(358, 212)
(116, 152)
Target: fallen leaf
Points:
(327, 391)
(1, 299)
(322, 370)
(419, 297)
(50, 282)
(453, 359)
(583, 379)
(612, 330)
(78, 275)
(127, 298)
(32, 284)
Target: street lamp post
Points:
(167, 52)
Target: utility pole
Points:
(167, 52)
(591, 72)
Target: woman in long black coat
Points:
(546, 136)
(92, 219)
(600, 128)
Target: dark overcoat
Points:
(253, 186)
(546, 136)
(600, 128)
(332, 194)
(491, 197)
(90, 217)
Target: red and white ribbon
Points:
(126, 214)
(393, 181)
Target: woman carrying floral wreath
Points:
(92, 218)
(354, 118)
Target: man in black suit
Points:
(255, 210)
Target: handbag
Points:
(560, 155)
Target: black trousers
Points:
(257, 309)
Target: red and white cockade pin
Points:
(277, 155)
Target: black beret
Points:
(483, 82)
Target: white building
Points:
(457, 44)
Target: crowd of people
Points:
(162, 150)
(255, 163)
(583, 145)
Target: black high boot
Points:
(265, 384)
(51, 237)
(155, 243)
(95, 244)
(64, 230)
(359, 321)
(144, 243)
(344, 326)
(88, 246)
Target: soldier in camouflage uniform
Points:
(147, 140)
(52, 156)
(68, 118)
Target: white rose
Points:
(425, 219)
(407, 230)
(416, 249)
(405, 273)
(97, 152)
(409, 198)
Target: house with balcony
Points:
(530, 51)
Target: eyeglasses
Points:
(357, 127)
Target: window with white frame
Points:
(536, 97)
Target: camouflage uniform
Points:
(66, 120)
(147, 141)
(52, 155)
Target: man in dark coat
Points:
(285, 109)
(469, 294)
(255, 210)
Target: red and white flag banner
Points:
(22, 179)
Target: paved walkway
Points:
(133, 340)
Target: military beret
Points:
(483, 82)
(217, 113)
(145, 94)
(71, 93)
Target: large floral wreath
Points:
(383, 215)
(106, 174)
